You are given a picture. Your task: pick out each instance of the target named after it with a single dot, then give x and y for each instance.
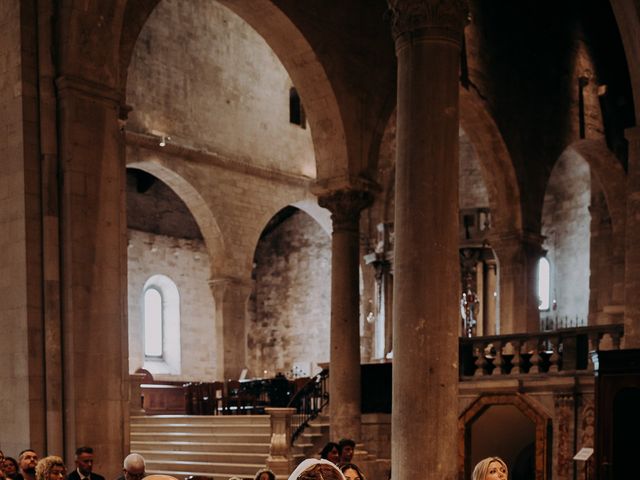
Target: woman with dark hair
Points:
(264, 474)
(10, 467)
(490, 468)
(331, 452)
(351, 472)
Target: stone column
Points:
(518, 257)
(93, 285)
(427, 35)
(632, 245)
(230, 297)
(344, 368)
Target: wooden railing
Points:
(309, 402)
(564, 350)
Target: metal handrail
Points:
(309, 402)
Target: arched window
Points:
(153, 323)
(161, 304)
(544, 284)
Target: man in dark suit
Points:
(84, 466)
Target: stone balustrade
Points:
(564, 351)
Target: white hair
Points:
(134, 460)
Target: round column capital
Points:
(437, 18)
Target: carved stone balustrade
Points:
(564, 351)
(279, 460)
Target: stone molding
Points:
(151, 143)
(221, 283)
(345, 207)
(68, 86)
(439, 18)
(513, 243)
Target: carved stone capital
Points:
(221, 285)
(442, 18)
(345, 207)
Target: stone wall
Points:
(566, 226)
(473, 191)
(186, 262)
(290, 306)
(214, 84)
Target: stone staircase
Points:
(311, 441)
(218, 446)
(222, 446)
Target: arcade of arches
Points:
(293, 183)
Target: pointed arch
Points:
(607, 169)
(495, 162)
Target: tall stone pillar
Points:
(230, 296)
(518, 257)
(427, 35)
(632, 245)
(344, 370)
(22, 379)
(93, 285)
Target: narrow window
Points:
(544, 284)
(296, 111)
(153, 331)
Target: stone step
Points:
(200, 456)
(202, 468)
(239, 428)
(200, 437)
(182, 474)
(200, 419)
(216, 447)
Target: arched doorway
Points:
(510, 426)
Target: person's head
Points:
(331, 452)
(84, 460)
(27, 461)
(50, 468)
(351, 472)
(133, 467)
(10, 466)
(490, 468)
(314, 469)
(346, 447)
(264, 474)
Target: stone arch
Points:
(607, 169)
(528, 407)
(198, 207)
(300, 61)
(495, 161)
(292, 259)
(627, 13)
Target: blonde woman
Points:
(491, 468)
(50, 468)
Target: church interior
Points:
(427, 210)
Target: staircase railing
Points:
(309, 402)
